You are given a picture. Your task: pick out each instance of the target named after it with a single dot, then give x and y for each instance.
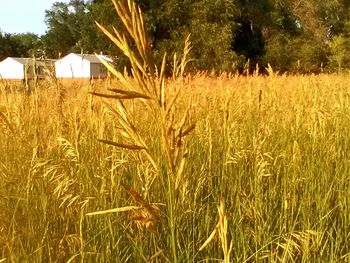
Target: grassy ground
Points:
(275, 151)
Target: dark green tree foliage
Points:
(59, 38)
(19, 45)
(212, 27)
(70, 29)
(296, 36)
(103, 12)
(253, 18)
(298, 42)
(210, 23)
(168, 24)
(5, 46)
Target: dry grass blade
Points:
(71, 152)
(7, 122)
(140, 200)
(182, 131)
(124, 79)
(209, 239)
(129, 128)
(125, 146)
(345, 257)
(221, 230)
(188, 130)
(180, 171)
(179, 66)
(131, 131)
(115, 210)
(156, 255)
(187, 49)
(141, 61)
(131, 93)
(133, 21)
(131, 96)
(122, 43)
(171, 102)
(162, 84)
(269, 70)
(108, 65)
(123, 120)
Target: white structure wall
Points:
(79, 66)
(11, 69)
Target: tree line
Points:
(227, 35)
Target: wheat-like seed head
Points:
(148, 86)
(221, 230)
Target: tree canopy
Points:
(294, 36)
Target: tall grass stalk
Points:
(148, 85)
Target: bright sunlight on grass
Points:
(196, 168)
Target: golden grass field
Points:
(274, 150)
(148, 168)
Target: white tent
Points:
(24, 68)
(81, 66)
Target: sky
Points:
(22, 16)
